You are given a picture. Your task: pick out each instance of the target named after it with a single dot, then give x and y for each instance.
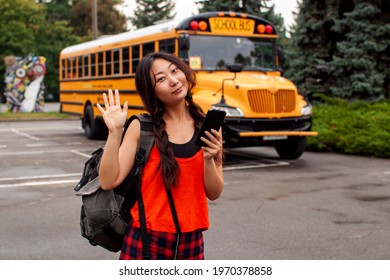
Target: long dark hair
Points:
(145, 87)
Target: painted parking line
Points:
(39, 180)
(25, 134)
(35, 145)
(259, 165)
(41, 152)
(236, 160)
(73, 144)
(81, 153)
(41, 183)
(41, 128)
(51, 176)
(24, 153)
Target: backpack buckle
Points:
(140, 157)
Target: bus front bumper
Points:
(278, 133)
(243, 131)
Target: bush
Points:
(358, 127)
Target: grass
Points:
(7, 116)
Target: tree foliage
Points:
(50, 42)
(351, 38)
(59, 10)
(148, 12)
(110, 20)
(20, 21)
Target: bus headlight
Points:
(307, 110)
(230, 111)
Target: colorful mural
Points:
(24, 83)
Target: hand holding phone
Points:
(213, 120)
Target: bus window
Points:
(167, 45)
(116, 62)
(63, 68)
(86, 65)
(100, 63)
(135, 58)
(147, 48)
(93, 65)
(253, 53)
(108, 63)
(79, 68)
(70, 67)
(74, 69)
(125, 60)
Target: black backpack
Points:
(105, 215)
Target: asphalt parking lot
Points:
(321, 206)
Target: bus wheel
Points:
(292, 148)
(93, 128)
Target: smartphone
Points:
(213, 120)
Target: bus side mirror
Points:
(235, 68)
(184, 42)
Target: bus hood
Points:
(244, 80)
(251, 92)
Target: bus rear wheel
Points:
(94, 129)
(291, 148)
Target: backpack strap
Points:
(146, 140)
(175, 219)
(144, 147)
(173, 211)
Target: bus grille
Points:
(264, 101)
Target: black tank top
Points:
(185, 150)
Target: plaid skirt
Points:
(163, 245)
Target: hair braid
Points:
(168, 164)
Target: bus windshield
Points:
(216, 52)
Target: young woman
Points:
(193, 174)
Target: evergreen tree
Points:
(361, 63)
(110, 20)
(351, 38)
(310, 36)
(148, 12)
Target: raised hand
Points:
(113, 114)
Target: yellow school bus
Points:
(236, 59)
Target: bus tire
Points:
(93, 128)
(291, 148)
